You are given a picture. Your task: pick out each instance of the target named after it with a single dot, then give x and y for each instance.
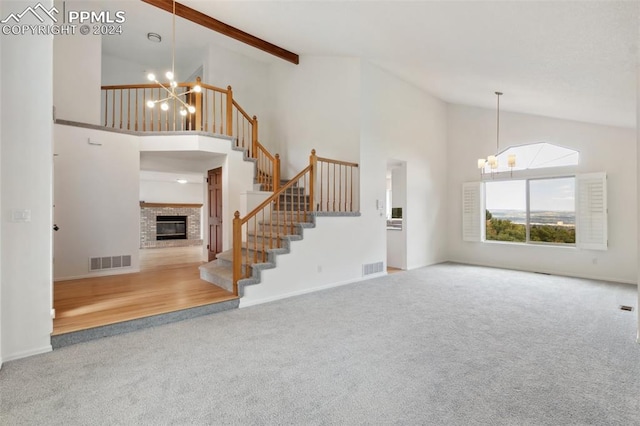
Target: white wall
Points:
(301, 271)
(96, 200)
(159, 187)
(76, 73)
(315, 105)
(117, 71)
(400, 121)
(249, 79)
(602, 149)
(26, 168)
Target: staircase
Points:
(271, 237)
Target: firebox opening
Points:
(171, 228)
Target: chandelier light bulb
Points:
(192, 109)
(183, 112)
(173, 83)
(169, 75)
(151, 104)
(164, 106)
(151, 76)
(197, 88)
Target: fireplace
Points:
(171, 228)
(155, 227)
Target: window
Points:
(535, 156)
(567, 210)
(506, 210)
(533, 210)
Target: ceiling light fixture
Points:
(171, 90)
(492, 160)
(154, 37)
(182, 181)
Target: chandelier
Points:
(170, 75)
(492, 160)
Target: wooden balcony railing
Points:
(124, 107)
(325, 185)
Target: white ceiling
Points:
(574, 60)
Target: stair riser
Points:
(282, 229)
(266, 242)
(229, 264)
(217, 280)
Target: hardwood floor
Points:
(162, 258)
(392, 270)
(92, 302)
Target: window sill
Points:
(514, 243)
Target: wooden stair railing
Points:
(216, 112)
(318, 187)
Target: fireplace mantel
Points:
(175, 205)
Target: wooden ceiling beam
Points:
(222, 28)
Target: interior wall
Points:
(402, 122)
(116, 71)
(249, 79)
(602, 149)
(76, 73)
(96, 180)
(25, 179)
(315, 105)
(167, 190)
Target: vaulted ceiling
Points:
(572, 60)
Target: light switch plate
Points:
(21, 215)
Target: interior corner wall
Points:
(402, 122)
(249, 79)
(96, 194)
(26, 167)
(602, 149)
(76, 73)
(315, 105)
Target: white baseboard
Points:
(119, 271)
(548, 271)
(246, 304)
(25, 354)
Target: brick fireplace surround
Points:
(150, 211)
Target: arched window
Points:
(535, 156)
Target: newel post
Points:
(237, 251)
(229, 111)
(313, 162)
(276, 173)
(198, 101)
(254, 138)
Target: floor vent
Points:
(626, 308)
(109, 262)
(372, 268)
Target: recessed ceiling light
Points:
(181, 181)
(154, 37)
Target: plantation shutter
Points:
(591, 211)
(473, 214)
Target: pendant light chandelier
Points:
(171, 90)
(492, 160)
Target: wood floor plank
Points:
(92, 302)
